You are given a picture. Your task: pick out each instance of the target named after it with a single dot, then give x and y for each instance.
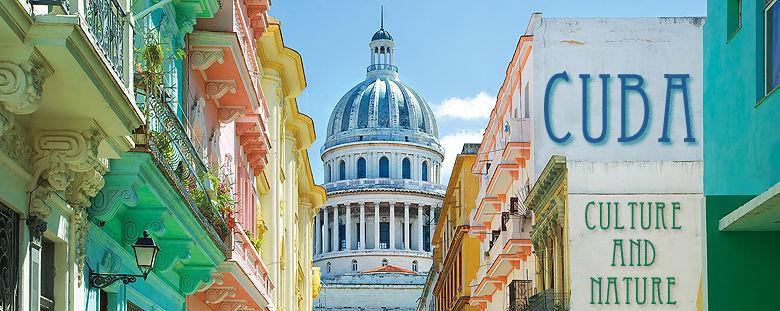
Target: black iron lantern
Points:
(145, 253)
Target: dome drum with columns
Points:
(382, 162)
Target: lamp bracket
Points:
(103, 280)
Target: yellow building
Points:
(455, 246)
(547, 199)
(288, 194)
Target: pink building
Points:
(227, 116)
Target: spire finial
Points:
(382, 18)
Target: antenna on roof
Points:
(382, 18)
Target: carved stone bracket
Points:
(171, 252)
(235, 305)
(227, 114)
(137, 220)
(21, 86)
(109, 200)
(218, 294)
(191, 277)
(202, 58)
(215, 89)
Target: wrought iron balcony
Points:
(168, 142)
(549, 300)
(107, 23)
(382, 67)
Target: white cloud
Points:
(469, 108)
(453, 144)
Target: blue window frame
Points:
(342, 170)
(384, 167)
(361, 168)
(406, 169)
(772, 48)
(425, 171)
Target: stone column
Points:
(336, 242)
(325, 240)
(317, 234)
(376, 225)
(392, 226)
(432, 225)
(406, 226)
(362, 226)
(348, 227)
(419, 228)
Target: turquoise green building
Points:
(742, 154)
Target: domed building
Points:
(382, 161)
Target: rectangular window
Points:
(342, 237)
(384, 235)
(733, 17)
(772, 48)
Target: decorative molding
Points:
(108, 201)
(21, 86)
(12, 140)
(202, 58)
(216, 295)
(191, 277)
(171, 252)
(215, 89)
(137, 220)
(227, 114)
(235, 305)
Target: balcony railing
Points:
(382, 67)
(106, 21)
(178, 159)
(253, 264)
(384, 183)
(549, 300)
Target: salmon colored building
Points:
(227, 116)
(502, 165)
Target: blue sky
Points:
(454, 53)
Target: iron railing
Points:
(106, 21)
(549, 300)
(382, 67)
(174, 153)
(518, 295)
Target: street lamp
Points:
(145, 254)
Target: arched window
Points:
(425, 171)
(361, 168)
(342, 170)
(327, 172)
(384, 262)
(414, 265)
(384, 167)
(406, 169)
(354, 265)
(328, 268)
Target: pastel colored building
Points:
(503, 168)
(741, 178)
(226, 117)
(616, 185)
(454, 248)
(289, 199)
(381, 160)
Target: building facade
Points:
(124, 124)
(289, 198)
(454, 246)
(382, 159)
(616, 190)
(503, 164)
(740, 37)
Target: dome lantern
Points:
(382, 48)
